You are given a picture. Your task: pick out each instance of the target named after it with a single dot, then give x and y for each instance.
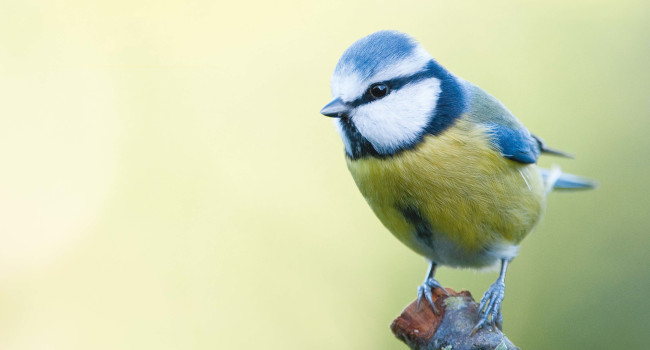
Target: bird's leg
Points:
(424, 290)
(489, 309)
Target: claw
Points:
(433, 283)
(490, 307)
(425, 291)
(476, 328)
(499, 321)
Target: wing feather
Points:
(506, 132)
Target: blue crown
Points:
(371, 54)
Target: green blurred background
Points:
(168, 183)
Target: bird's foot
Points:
(425, 291)
(489, 310)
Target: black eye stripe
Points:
(395, 84)
(451, 102)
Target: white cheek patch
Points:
(399, 118)
(348, 85)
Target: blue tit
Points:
(444, 165)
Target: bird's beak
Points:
(336, 109)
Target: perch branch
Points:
(420, 328)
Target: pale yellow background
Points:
(166, 181)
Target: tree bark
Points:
(451, 328)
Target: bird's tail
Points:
(554, 178)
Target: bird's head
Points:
(388, 94)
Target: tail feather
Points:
(552, 151)
(556, 179)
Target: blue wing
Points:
(516, 144)
(506, 132)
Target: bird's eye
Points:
(379, 90)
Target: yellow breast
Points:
(454, 198)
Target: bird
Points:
(444, 165)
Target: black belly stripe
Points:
(423, 230)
